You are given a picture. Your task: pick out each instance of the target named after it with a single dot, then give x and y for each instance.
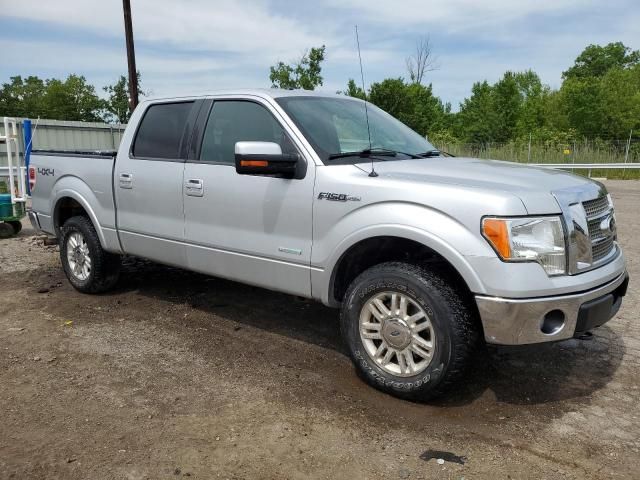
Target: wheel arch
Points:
(70, 203)
(400, 243)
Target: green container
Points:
(10, 211)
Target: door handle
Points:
(194, 187)
(126, 180)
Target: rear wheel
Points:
(409, 331)
(88, 267)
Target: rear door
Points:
(255, 229)
(148, 183)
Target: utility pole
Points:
(131, 56)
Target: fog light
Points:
(552, 322)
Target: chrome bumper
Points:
(508, 321)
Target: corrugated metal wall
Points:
(63, 135)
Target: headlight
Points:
(528, 239)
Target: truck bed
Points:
(84, 175)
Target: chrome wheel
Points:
(397, 334)
(78, 256)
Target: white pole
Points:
(7, 136)
(626, 154)
(529, 153)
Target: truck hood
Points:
(533, 185)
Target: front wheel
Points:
(408, 330)
(88, 267)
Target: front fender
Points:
(431, 228)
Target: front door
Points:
(254, 229)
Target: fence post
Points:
(626, 153)
(529, 152)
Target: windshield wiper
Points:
(377, 151)
(430, 153)
(367, 152)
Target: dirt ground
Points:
(180, 375)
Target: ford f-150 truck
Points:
(317, 196)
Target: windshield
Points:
(339, 125)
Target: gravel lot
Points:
(180, 375)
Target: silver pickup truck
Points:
(313, 195)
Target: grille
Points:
(601, 242)
(602, 248)
(596, 207)
(595, 233)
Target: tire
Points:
(17, 226)
(448, 324)
(101, 273)
(6, 230)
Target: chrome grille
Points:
(601, 249)
(596, 207)
(598, 210)
(595, 233)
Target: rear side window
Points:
(161, 130)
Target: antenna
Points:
(366, 111)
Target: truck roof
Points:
(259, 92)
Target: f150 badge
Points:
(337, 197)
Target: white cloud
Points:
(202, 45)
(225, 25)
(455, 15)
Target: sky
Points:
(197, 46)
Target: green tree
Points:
(596, 61)
(413, 104)
(354, 90)
(392, 96)
(73, 99)
(620, 102)
(117, 103)
(22, 97)
(600, 94)
(304, 74)
(477, 118)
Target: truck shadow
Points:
(525, 375)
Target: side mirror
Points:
(264, 158)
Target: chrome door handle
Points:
(126, 180)
(194, 187)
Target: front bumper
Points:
(510, 321)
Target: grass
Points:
(579, 152)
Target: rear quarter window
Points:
(161, 130)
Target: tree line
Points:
(70, 99)
(599, 98)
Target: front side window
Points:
(161, 130)
(232, 121)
